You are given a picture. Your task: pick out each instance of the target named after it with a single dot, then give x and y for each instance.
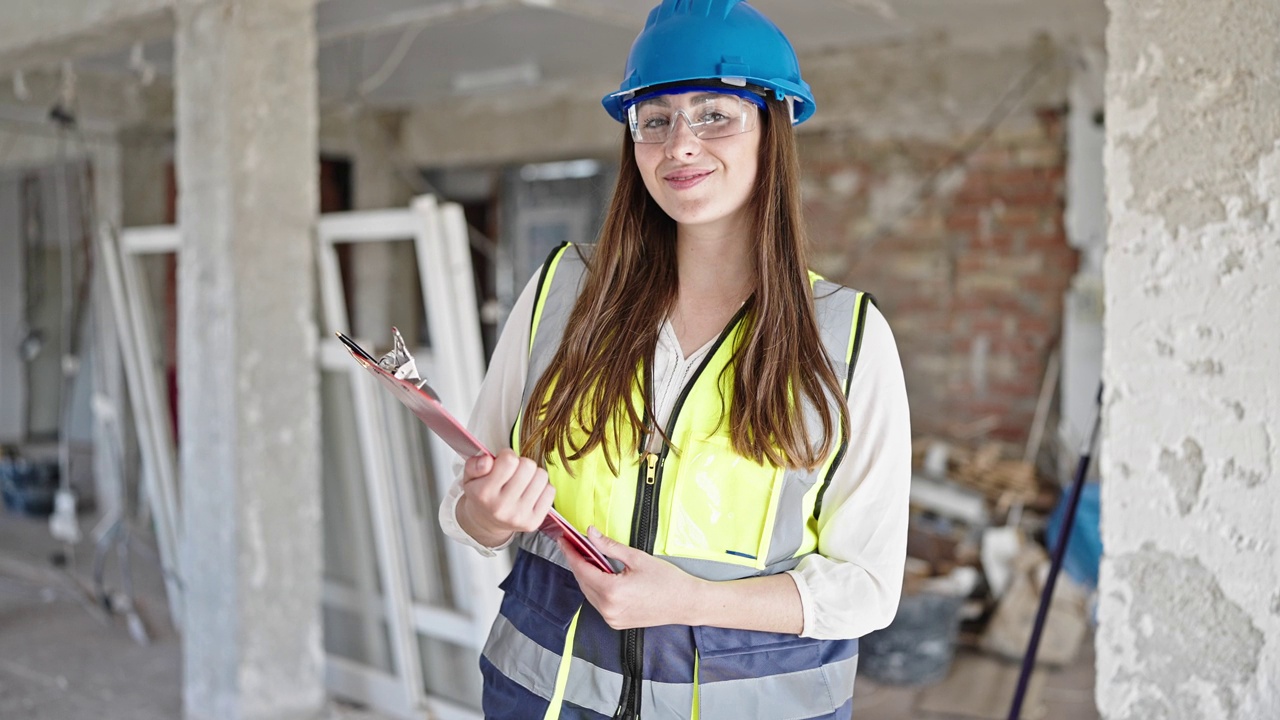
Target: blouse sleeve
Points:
(497, 406)
(851, 586)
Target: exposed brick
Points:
(988, 259)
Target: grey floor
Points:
(61, 659)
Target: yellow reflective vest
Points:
(697, 504)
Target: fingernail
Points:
(593, 532)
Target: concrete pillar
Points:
(383, 274)
(251, 555)
(1190, 590)
(145, 154)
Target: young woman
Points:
(731, 428)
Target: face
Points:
(701, 183)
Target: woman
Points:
(732, 429)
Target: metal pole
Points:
(1059, 552)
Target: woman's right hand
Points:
(503, 495)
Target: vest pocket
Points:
(723, 505)
(750, 674)
(539, 595)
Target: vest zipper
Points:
(644, 531)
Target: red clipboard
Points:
(425, 404)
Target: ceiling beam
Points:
(43, 34)
(412, 18)
(443, 12)
(591, 10)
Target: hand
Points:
(647, 592)
(503, 495)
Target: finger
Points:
(533, 491)
(611, 547)
(522, 473)
(493, 482)
(544, 502)
(477, 466)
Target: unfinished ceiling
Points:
(396, 53)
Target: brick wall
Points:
(970, 273)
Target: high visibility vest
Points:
(697, 504)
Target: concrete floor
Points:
(58, 661)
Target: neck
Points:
(714, 265)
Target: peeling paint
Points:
(1245, 543)
(1250, 478)
(1236, 409)
(1185, 473)
(1183, 598)
(1232, 263)
(1209, 367)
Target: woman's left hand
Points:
(647, 592)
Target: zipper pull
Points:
(651, 472)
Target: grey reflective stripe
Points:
(666, 700)
(534, 668)
(592, 687)
(780, 696)
(522, 660)
(789, 521)
(558, 297)
(544, 547)
(835, 308)
(595, 688)
(717, 571)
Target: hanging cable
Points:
(393, 61)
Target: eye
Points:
(654, 122)
(713, 117)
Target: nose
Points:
(682, 142)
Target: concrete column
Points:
(1189, 600)
(383, 274)
(145, 153)
(251, 555)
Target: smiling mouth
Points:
(686, 179)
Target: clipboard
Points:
(424, 403)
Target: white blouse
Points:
(850, 587)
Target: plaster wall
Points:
(1189, 607)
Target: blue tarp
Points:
(1084, 545)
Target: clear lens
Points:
(709, 116)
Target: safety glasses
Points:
(710, 115)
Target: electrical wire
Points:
(393, 61)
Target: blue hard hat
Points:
(728, 40)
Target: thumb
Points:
(478, 465)
(611, 547)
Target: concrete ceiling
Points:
(397, 53)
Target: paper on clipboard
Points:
(397, 372)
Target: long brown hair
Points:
(631, 285)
